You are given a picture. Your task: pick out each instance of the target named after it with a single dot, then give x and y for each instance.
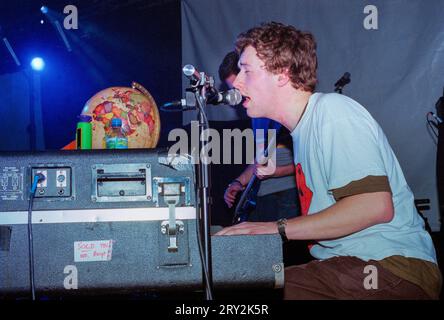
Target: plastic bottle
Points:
(116, 139)
(84, 132)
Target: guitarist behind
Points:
(277, 195)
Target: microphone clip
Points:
(204, 81)
(197, 79)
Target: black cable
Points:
(170, 110)
(37, 179)
(165, 109)
(202, 111)
(201, 254)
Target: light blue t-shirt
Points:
(338, 142)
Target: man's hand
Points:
(231, 192)
(250, 228)
(264, 171)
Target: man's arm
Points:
(348, 215)
(264, 172)
(246, 175)
(283, 171)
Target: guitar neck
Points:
(245, 194)
(253, 179)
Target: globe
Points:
(134, 106)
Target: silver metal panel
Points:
(183, 180)
(95, 215)
(128, 168)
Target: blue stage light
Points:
(44, 9)
(37, 64)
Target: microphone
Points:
(343, 80)
(191, 73)
(188, 102)
(231, 97)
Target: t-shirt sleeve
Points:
(349, 146)
(365, 185)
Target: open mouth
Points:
(245, 100)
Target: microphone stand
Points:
(204, 186)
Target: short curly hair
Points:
(284, 47)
